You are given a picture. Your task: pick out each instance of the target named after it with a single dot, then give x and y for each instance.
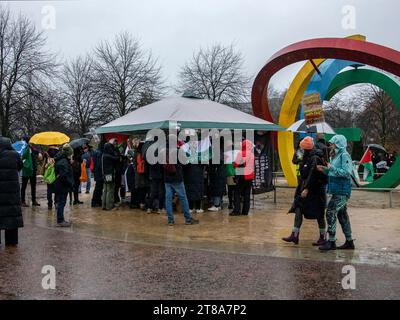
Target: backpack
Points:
(49, 175)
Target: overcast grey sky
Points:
(174, 29)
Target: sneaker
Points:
(192, 221)
(148, 210)
(214, 208)
(199, 211)
(234, 213)
(171, 223)
(64, 224)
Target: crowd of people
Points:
(118, 171)
(323, 168)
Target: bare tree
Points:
(81, 95)
(216, 74)
(380, 118)
(125, 74)
(22, 59)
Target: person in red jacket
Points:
(244, 165)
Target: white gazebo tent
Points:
(186, 112)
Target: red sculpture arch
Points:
(325, 48)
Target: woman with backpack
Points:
(339, 172)
(310, 197)
(49, 175)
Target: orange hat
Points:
(307, 143)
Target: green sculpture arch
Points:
(345, 79)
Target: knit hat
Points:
(307, 143)
(67, 150)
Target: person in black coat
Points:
(155, 177)
(109, 164)
(98, 176)
(77, 170)
(217, 182)
(311, 202)
(64, 181)
(194, 184)
(10, 197)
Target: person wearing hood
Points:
(10, 197)
(311, 198)
(98, 176)
(64, 181)
(29, 173)
(339, 172)
(244, 165)
(109, 164)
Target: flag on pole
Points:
(366, 161)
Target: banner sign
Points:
(313, 110)
(263, 168)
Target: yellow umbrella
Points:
(49, 138)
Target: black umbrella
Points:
(377, 146)
(77, 143)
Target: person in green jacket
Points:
(339, 172)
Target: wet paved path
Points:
(92, 268)
(128, 254)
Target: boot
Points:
(348, 245)
(329, 245)
(321, 241)
(292, 238)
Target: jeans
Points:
(50, 192)
(242, 188)
(216, 201)
(337, 210)
(61, 200)
(108, 196)
(179, 188)
(88, 181)
(25, 181)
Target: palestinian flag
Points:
(366, 161)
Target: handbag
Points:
(83, 177)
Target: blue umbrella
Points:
(20, 146)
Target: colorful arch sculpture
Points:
(318, 49)
(392, 178)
